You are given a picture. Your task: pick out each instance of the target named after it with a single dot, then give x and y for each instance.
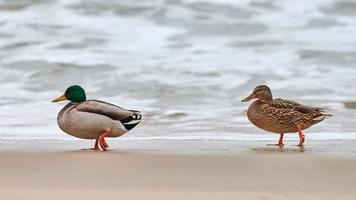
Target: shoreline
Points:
(175, 170)
(329, 147)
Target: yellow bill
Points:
(61, 98)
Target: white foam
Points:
(185, 68)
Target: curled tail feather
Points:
(131, 121)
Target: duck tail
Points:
(321, 110)
(132, 121)
(322, 117)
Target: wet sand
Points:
(176, 170)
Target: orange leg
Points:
(301, 136)
(96, 146)
(102, 142)
(105, 144)
(280, 141)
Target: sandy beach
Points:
(186, 65)
(59, 170)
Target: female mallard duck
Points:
(281, 116)
(93, 119)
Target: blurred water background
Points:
(185, 63)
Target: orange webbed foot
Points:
(92, 149)
(102, 142)
(95, 148)
(277, 145)
(280, 142)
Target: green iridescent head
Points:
(74, 93)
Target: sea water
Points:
(186, 64)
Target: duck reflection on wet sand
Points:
(295, 149)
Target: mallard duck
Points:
(281, 116)
(93, 119)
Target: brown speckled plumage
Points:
(281, 116)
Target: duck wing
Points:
(110, 110)
(288, 104)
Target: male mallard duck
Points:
(281, 116)
(93, 119)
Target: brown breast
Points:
(263, 119)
